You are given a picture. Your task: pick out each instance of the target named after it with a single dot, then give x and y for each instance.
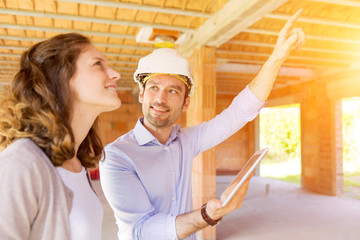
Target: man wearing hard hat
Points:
(146, 175)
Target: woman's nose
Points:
(114, 75)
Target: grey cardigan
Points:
(34, 202)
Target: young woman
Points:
(48, 138)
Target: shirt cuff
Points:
(171, 232)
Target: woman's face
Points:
(93, 85)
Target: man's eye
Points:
(98, 63)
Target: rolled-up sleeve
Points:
(158, 226)
(244, 108)
(135, 216)
(249, 105)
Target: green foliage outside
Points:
(351, 147)
(351, 130)
(280, 132)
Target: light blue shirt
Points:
(148, 184)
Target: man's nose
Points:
(161, 96)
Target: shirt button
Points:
(166, 148)
(173, 198)
(172, 172)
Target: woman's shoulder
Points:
(23, 152)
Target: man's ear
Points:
(186, 104)
(141, 94)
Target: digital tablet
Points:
(243, 174)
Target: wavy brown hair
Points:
(39, 101)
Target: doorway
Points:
(280, 132)
(351, 146)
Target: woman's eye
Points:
(98, 63)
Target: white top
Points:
(87, 213)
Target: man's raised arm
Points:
(289, 38)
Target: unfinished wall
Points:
(232, 154)
(116, 123)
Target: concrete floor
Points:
(276, 210)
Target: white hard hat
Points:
(164, 61)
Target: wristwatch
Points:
(206, 217)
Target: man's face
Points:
(163, 101)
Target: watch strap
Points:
(206, 217)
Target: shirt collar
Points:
(143, 136)
(174, 133)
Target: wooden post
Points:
(203, 108)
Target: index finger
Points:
(293, 18)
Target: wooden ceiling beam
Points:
(315, 20)
(308, 36)
(15, 63)
(97, 44)
(253, 69)
(10, 55)
(234, 81)
(9, 63)
(132, 69)
(229, 21)
(16, 55)
(66, 30)
(310, 49)
(340, 2)
(16, 12)
(243, 53)
(222, 60)
(142, 7)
